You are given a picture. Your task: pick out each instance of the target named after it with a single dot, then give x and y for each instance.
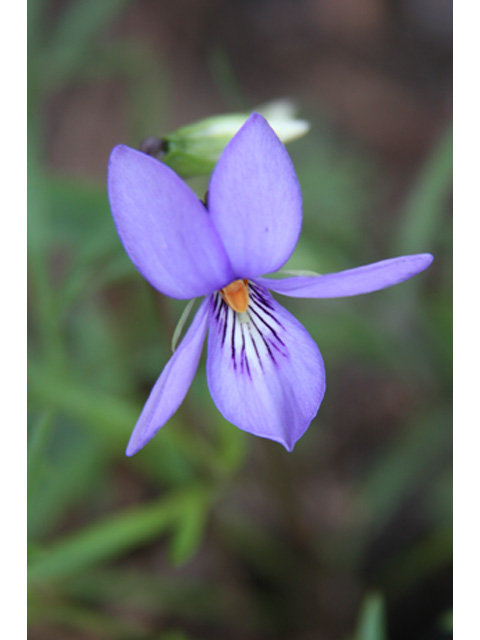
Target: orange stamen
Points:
(236, 295)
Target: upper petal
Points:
(171, 387)
(264, 371)
(255, 200)
(352, 282)
(165, 229)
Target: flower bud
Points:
(194, 150)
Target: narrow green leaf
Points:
(423, 217)
(72, 472)
(371, 624)
(111, 537)
(189, 532)
(36, 449)
(36, 12)
(112, 417)
(181, 323)
(43, 302)
(225, 79)
(389, 479)
(72, 40)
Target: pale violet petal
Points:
(352, 282)
(164, 227)
(172, 386)
(255, 201)
(264, 371)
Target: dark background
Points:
(208, 532)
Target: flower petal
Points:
(255, 201)
(165, 229)
(352, 282)
(264, 371)
(172, 386)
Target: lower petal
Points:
(172, 386)
(264, 371)
(352, 282)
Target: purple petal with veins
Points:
(264, 371)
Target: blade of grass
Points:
(422, 217)
(389, 480)
(409, 460)
(371, 624)
(112, 419)
(188, 537)
(36, 450)
(71, 41)
(111, 537)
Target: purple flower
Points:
(264, 371)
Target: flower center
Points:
(236, 295)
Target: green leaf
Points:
(73, 468)
(43, 301)
(371, 624)
(112, 418)
(71, 41)
(111, 537)
(423, 217)
(36, 449)
(389, 480)
(189, 532)
(181, 324)
(176, 457)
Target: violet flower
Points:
(264, 371)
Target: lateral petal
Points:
(352, 282)
(264, 371)
(164, 227)
(255, 201)
(172, 386)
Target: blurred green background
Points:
(208, 532)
